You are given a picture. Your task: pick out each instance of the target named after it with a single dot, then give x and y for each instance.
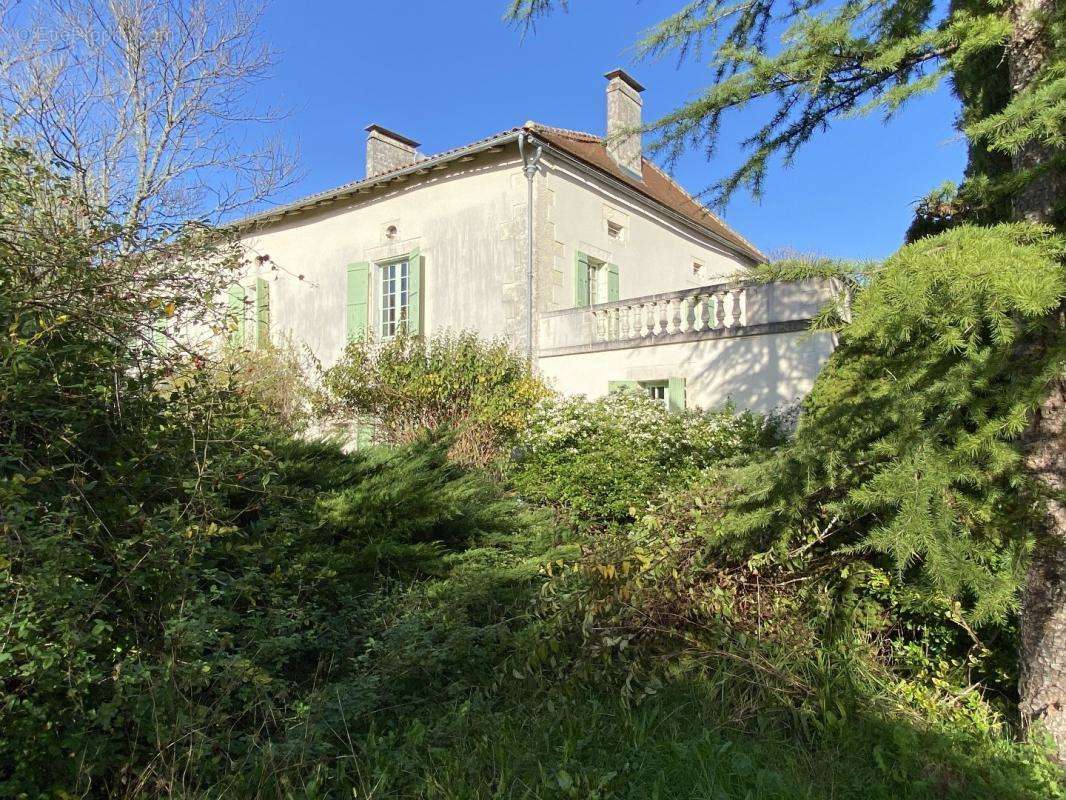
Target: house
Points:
(572, 246)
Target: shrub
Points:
(276, 376)
(603, 461)
(408, 385)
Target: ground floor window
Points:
(656, 390)
(395, 300)
(668, 391)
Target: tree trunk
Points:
(1043, 622)
(1042, 652)
(1028, 50)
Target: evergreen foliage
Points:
(834, 59)
(908, 446)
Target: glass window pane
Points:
(395, 293)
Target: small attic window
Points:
(614, 229)
(390, 232)
(697, 268)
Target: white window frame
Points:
(598, 289)
(387, 329)
(659, 391)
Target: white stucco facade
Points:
(654, 252)
(462, 223)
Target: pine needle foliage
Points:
(907, 449)
(806, 65)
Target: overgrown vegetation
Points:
(602, 462)
(482, 391)
(515, 596)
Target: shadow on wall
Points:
(757, 372)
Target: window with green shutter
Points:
(401, 300)
(357, 317)
(612, 282)
(595, 281)
(670, 392)
(235, 317)
(581, 280)
(262, 312)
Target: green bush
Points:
(603, 461)
(407, 385)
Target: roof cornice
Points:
(441, 159)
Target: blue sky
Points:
(446, 73)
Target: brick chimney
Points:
(623, 114)
(386, 151)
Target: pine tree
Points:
(814, 62)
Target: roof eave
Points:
(326, 198)
(329, 197)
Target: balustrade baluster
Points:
(699, 309)
(734, 308)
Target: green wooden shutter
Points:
(581, 279)
(612, 282)
(159, 333)
(358, 303)
(262, 312)
(675, 394)
(237, 296)
(415, 301)
(364, 434)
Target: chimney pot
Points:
(387, 151)
(624, 121)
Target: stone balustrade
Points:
(705, 308)
(722, 310)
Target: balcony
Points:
(720, 311)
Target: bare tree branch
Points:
(145, 104)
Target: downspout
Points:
(530, 161)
